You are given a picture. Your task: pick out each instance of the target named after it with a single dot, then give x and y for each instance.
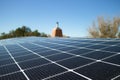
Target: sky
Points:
(74, 16)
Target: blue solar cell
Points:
(8, 69)
(98, 54)
(111, 42)
(98, 42)
(100, 71)
(32, 63)
(6, 61)
(3, 53)
(59, 56)
(112, 49)
(44, 71)
(17, 51)
(26, 57)
(39, 50)
(79, 51)
(4, 57)
(2, 48)
(97, 46)
(14, 47)
(57, 47)
(30, 46)
(114, 59)
(74, 62)
(15, 76)
(67, 48)
(81, 45)
(21, 54)
(46, 53)
(67, 76)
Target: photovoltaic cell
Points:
(97, 46)
(16, 50)
(74, 62)
(26, 57)
(20, 54)
(4, 57)
(79, 51)
(98, 42)
(112, 42)
(67, 76)
(112, 49)
(100, 71)
(3, 53)
(59, 56)
(39, 50)
(98, 54)
(37, 58)
(15, 76)
(44, 71)
(8, 69)
(67, 48)
(46, 53)
(114, 59)
(32, 63)
(6, 61)
(81, 45)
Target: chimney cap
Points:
(57, 26)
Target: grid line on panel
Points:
(99, 71)
(9, 73)
(115, 77)
(55, 62)
(37, 66)
(60, 51)
(33, 45)
(98, 50)
(55, 75)
(61, 60)
(106, 62)
(16, 63)
(83, 47)
(77, 55)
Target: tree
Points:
(105, 29)
(21, 32)
(93, 31)
(25, 30)
(3, 35)
(12, 33)
(43, 34)
(35, 33)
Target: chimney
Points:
(57, 32)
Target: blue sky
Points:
(74, 16)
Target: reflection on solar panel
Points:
(33, 58)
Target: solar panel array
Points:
(34, 58)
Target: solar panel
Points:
(36, 58)
(14, 76)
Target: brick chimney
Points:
(57, 32)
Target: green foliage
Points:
(36, 33)
(22, 32)
(43, 35)
(119, 34)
